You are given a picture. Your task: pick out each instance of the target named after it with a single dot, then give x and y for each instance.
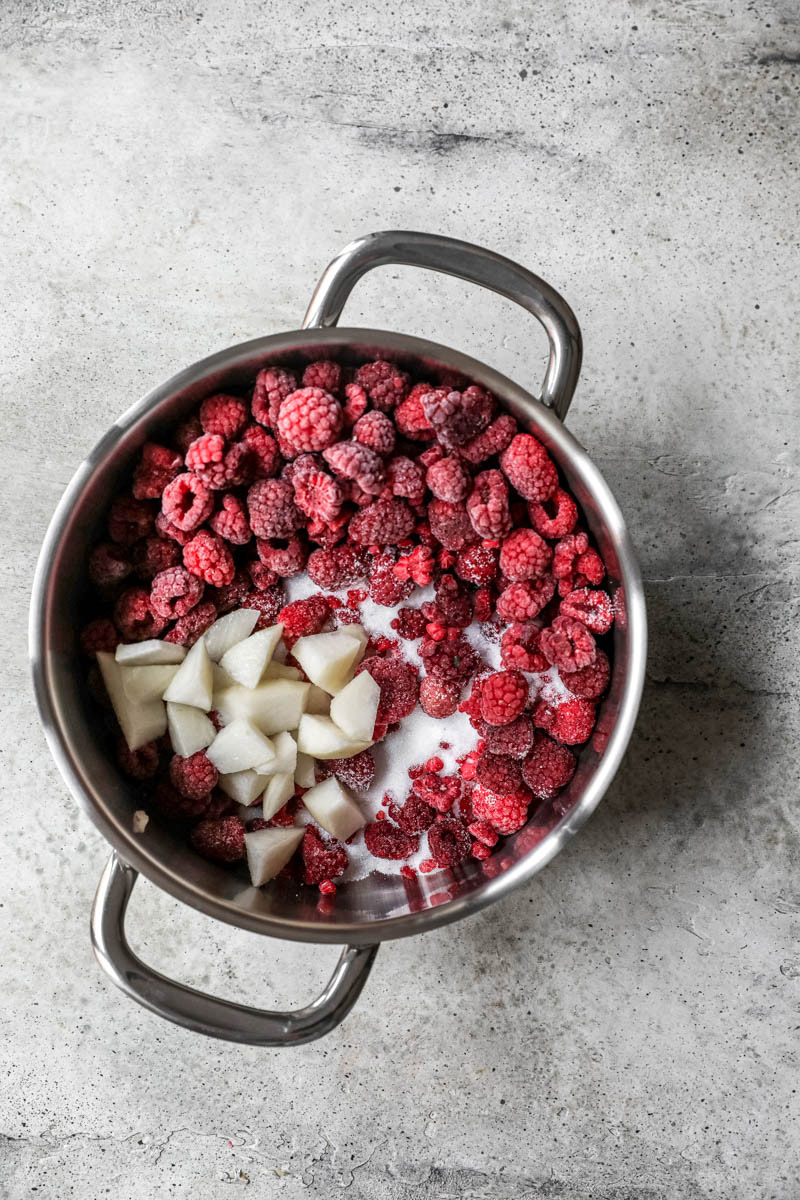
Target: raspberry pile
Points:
(377, 485)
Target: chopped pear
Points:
(360, 633)
(228, 630)
(242, 786)
(318, 702)
(152, 653)
(189, 729)
(140, 721)
(321, 738)
(279, 789)
(269, 850)
(279, 670)
(219, 679)
(332, 807)
(245, 662)
(285, 759)
(327, 658)
(355, 707)
(147, 683)
(193, 684)
(305, 773)
(275, 705)
(240, 747)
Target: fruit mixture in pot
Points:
(350, 623)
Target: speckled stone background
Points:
(174, 178)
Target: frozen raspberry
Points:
(453, 601)
(157, 466)
(285, 556)
(262, 577)
(329, 533)
(357, 772)
(100, 634)
(385, 840)
(171, 805)
(524, 601)
(567, 644)
(506, 814)
(207, 556)
(449, 842)
(267, 603)
(570, 722)
(351, 460)
(457, 417)
(230, 521)
(415, 816)
(484, 832)
(188, 629)
(323, 374)
(513, 740)
(375, 430)
(548, 768)
(322, 859)
(499, 773)
(450, 524)
(589, 682)
(174, 593)
(529, 468)
(356, 403)
(207, 450)
(409, 624)
(452, 660)
(273, 385)
(385, 384)
(409, 416)
(385, 587)
(187, 502)
(138, 764)
(130, 520)
(384, 523)
(487, 505)
(504, 695)
(589, 568)
(484, 604)
(303, 617)
(318, 495)
(108, 565)
(193, 777)
(237, 466)
(232, 595)
(273, 512)
(310, 419)
(186, 433)
(519, 647)
(134, 617)
(477, 563)
(494, 439)
(398, 683)
(437, 698)
(591, 607)
(406, 479)
(337, 567)
(566, 552)
(220, 841)
(167, 530)
(524, 555)
(265, 457)
(224, 415)
(448, 480)
(417, 566)
(155, 554)
(440, 791)
(556, 517)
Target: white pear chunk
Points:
(240, 747)
(242, 786)
(321, 738)
(279, 789)
(269, 850)
(275, 705)
(355, 707)
(305, 773)
(193, 683)
(285, 759)
(318, 701)
(332, 807)
(189, 729)
(152, 653)
(139, 721)
(279, 670)
(245, 662)
(327, 658)
(147, 683)
(228, 630)
(219, 679)
(360, 633)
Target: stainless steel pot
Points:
(378, 907)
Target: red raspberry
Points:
(556, 517)
(385, 840)
(492, 441)
(448, 480)
(268, 604)
(484, 604)
(273, 385)
(233, 594)
(570, 722)
(440, 791)
(138, 764)
(504, 695)
(519, 647)
(186, 433)
(529, 468)
(317, 495)
(590, 682)
(513, 740)
(223, 414)
(207, 450)
(357, 772)
(273, 512)
(415, 816)
(590, 568)
(130, 520)
(506, 814)
(417, 566)
(487, 505)
(548, 768)
(157, 466)
(188, 629)
(231, 522)
(457, 417)
(449, 842)
(385, 587)
(264, 455)
(193, 777)
(375, 430)
(310, 419)
(207, 556)
(155, 554)
(337, 567)
(450, 524)
(406, 479)
(305, 616)
(524, 601)
(453, 602)
(499, 773)
(171, 805)
(323, 860)
(134, 618)
(187, 502)
(524, 555)
(351, 460)
(566, 552)
(168, 530)
(262, 577)
(238, 466)
(356, 403)
(329, 533)
(285, 556)
(484, 832)
(323, 374)
(477, 563)
(385, 384)
(99, 634)
(409, 624)
(567, 644)
(384, 523)
(220, 841)
(108, 565)
(452, 660)
(437, 698)
(399, 687)
(409, 416)
(174, 593)
(592, 608)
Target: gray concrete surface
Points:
(173, 180)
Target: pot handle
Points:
(475, 265)
(207, 1014)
